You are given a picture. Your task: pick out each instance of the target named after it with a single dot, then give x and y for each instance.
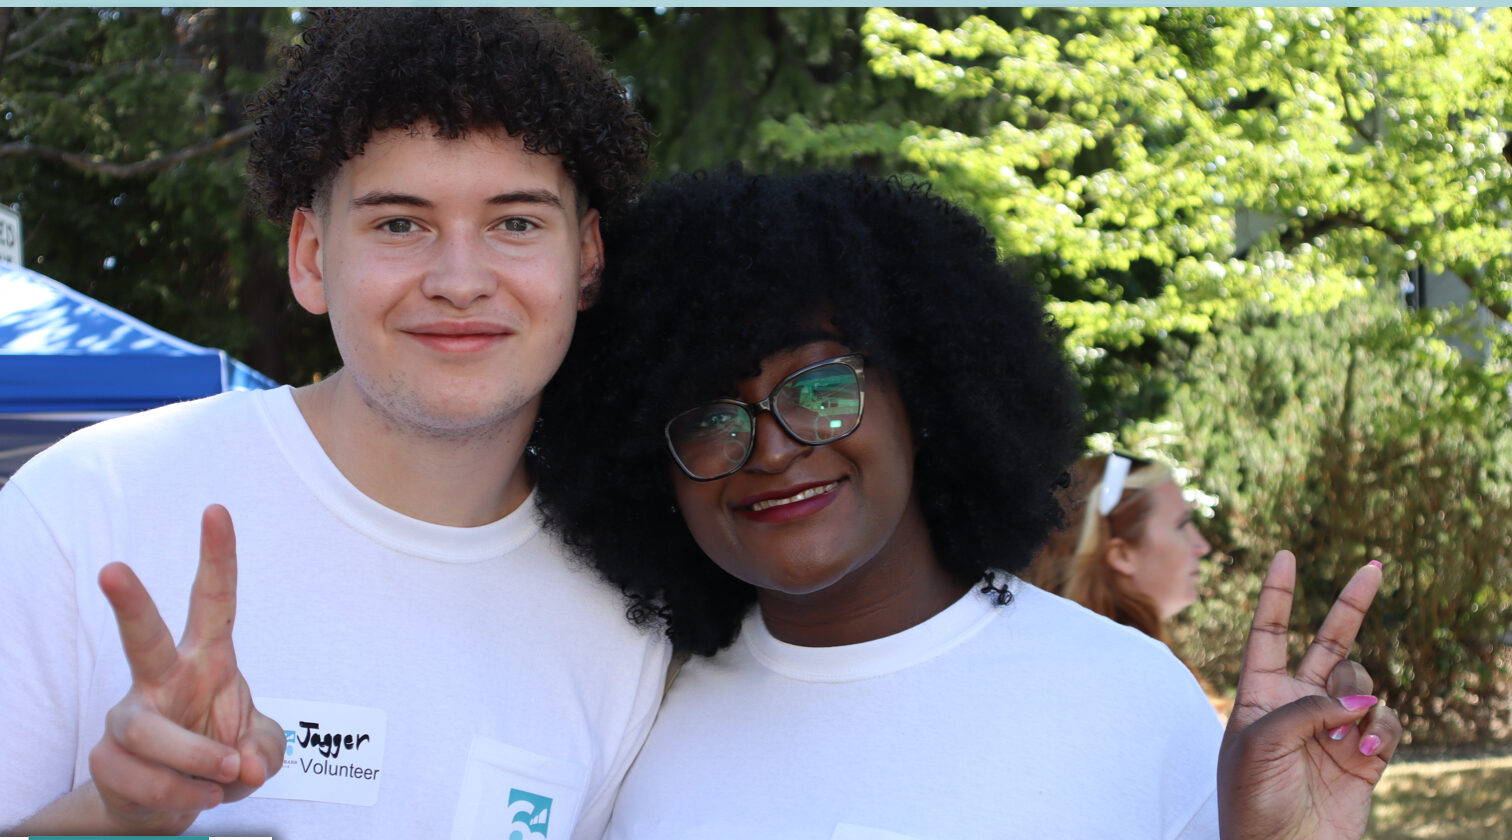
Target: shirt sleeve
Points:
(593, 824)
(39, 665)
(1193, 765)
(1204, 823)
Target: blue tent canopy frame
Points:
(61, 350)
(67, 360)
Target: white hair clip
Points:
(1114, 474)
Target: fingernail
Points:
(1369, 744)
(230, 766)
(1338, 733)
(1377, 564)
(1356, 702)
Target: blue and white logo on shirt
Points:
(532, 812)
(509, 793)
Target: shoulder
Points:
(1050, 629)
(148, 458)
(1063, 621)
(1072, 658)
(148, 435)
(201, 416)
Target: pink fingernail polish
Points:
(1338, 733)
(1369, 744)
(1377, 564)
(1356, 702)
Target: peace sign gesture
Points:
(186, 737)
(1302, 754)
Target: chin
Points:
(462, 416)
(795, 585)
(797, 581)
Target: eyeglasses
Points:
(816, 405)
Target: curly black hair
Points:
(709, 274)
(358, 72)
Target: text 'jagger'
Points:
(330, 744)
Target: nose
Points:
(1202, 547)
(773, 450)
(460, 274)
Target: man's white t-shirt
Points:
(1034, 720)
(432, 681)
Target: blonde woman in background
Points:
(1129, 548)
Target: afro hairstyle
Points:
(360, 71)
(709, 274)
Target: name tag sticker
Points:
(332, 752)
(513, 794)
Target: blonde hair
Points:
(1074, 564)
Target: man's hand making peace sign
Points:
(186, 737)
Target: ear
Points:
(591, 244)
(306, 276)
(1120, 556)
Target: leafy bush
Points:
(1350, 437)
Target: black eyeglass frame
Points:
(855, 361)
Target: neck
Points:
(888, 595)
(462, 481)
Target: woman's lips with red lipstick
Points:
(788, 504)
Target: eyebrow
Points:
(379, 198)
(803, 338)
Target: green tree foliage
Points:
(123, 150)
(708, 78)
(1162, 170)
(1353, 436)
(1110, 149)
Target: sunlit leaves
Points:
(1250, 140)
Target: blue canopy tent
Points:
(67, 360)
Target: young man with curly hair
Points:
(412, 654)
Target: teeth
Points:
(807, 494)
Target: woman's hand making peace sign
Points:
(1303, 752)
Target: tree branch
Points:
(123, 68)
(1500, 309)
(99, 166)
(42, 17)
(1322, 225)
(1356, 123)
(1318, 226)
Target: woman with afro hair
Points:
(811, 426)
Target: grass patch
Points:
(1468, 799)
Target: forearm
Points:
(82, 811)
